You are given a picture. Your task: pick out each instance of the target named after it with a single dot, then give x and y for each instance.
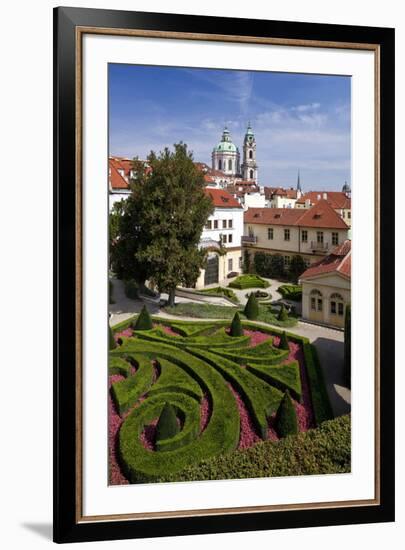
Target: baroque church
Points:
(226, 156)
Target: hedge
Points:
(319, 395)
(118, 365)
(167, 426)
(143, 321)
(284, 341)
(251, 308)
(291, 292)
(220, 436)
(126, 392)
(249, 281)
(324, 450)
(283, 377)
(111, 340)
(173, 379)
(236, 329)
(260, 398)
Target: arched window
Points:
(316, 300)
(250, 154)
(220, 164)
(229, 164)
(251, 174)
(336, 304)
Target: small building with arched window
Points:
(326, 288)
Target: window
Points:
(230, 224)
(316, 300)
(240, 262)
(223, 239)
(335, 238)
(220, 164)
(349, 214)
(319, 237)
(215, 224)
(230, 238)
(304, 236)
(208, 225)
(229, 164)
(336, 304)
(223, 224)
(251, 174)
(250, 154)
(230, 264)
(286, 234)
(270, 233)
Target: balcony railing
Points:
(319, 247)
(252, 239)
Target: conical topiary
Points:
(143, 321)
(252, 307)
(112, 344)
(284, 341)
(286, 417)
(282, 314)
(236, 326)
(167, 425)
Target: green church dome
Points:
(225, 145)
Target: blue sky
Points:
(301, 122)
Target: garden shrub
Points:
(284, 341)
(282, 314)
(167, 426)
(131, 289)
(144, 321)
(324, 450)
(173, 379)
(252, 308)
(118, 365)
(283, 377)
(126, 392)
(112, 344)
(248, 281)
(236, 326)
(291, 292)
(286, 417)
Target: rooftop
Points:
(339, 261)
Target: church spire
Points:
(299, 182)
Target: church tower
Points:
(249, 166)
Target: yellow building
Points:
(326, 288)
(312, 233)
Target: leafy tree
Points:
(282, 314)
(286, 417)
(111, 340)
(162, 221)
(347, 346)
(252, 307)
(167, 425)
(277, 266)
(236, 326)
(284, 341)
(143, 321)
(297, 267)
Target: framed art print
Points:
(224, 240)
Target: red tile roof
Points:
(280, 191)
(321, 215)
(339, 261)
(116, 180)
(221, 198)
(337, 199)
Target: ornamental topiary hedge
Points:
(252, 308)
(286, 418)
(282, 314)
(144, 321)
(249, 281)
(112, 344)
(236, 326)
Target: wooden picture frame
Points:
(70, 25)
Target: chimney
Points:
(307, 203)
(318, 197)
(325, 196)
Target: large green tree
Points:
(161, 222)
(297, 267)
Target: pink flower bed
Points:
(256, 336)
(205, 412)
(167, 330)
(248, 435)
(127, 333)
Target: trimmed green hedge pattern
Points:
(178, 370)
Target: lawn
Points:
(213, 311)
(225, 394)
